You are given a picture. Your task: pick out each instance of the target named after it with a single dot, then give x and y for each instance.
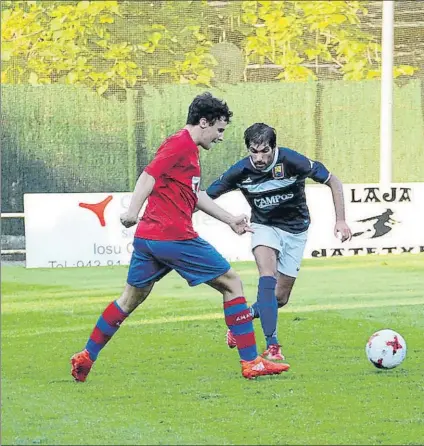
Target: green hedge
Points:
(68, 139)
(290, 110)
(336, 122)
(63, 139)
(351, 131)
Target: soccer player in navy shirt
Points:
(272, 179)
(165, 239)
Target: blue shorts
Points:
(195, 260)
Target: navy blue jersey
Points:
(276, 195)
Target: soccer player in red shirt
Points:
(165, 239)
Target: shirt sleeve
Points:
(225, 183)
(165, 159)
(307, 168)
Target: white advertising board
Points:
(78, 230)
(383, 221)
(65, 230)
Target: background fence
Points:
(68, 126)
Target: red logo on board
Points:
(98, 208)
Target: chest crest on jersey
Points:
(278, 171)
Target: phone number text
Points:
(83, 263)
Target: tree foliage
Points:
(116, 45)
(299, 36)
(103, 44)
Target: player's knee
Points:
(282, 298)
(230, 283)
(234, 282)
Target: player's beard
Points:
(260, 166)
(263, 166)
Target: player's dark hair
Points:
(260, 133)
(207, 106)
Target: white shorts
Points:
(290, 246)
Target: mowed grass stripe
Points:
(60, 304)
(214, 316)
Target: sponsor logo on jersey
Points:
(248, 180)
(274, 200)
(278, 171)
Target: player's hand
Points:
(240, 224)
(343, 229)
(129, 220)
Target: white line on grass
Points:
(214, 316)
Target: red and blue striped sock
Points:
(106, 326)
(239, 321)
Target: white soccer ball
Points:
(386, 349)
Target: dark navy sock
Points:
(268, 308)
(254, 309)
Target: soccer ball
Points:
(386, 349)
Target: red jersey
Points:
(170, 207)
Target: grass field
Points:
(167, 376)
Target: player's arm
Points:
(341, 226)
(305, 167)
(225, 183)
(237, 223)
(164, 160)
(142, 190)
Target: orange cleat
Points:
(273, 353)
(261, 367)
(81, 365)
(230, 339)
